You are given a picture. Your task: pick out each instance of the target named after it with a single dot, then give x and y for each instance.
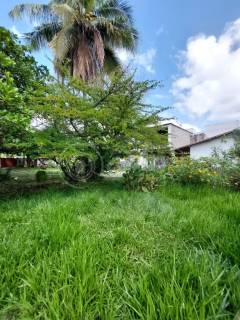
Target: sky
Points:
(192, 47)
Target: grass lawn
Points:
(104, 253)
(23, 180)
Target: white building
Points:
(177, 135)
(216, 138)
(182, 141)
(220, 143)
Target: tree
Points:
(87, 126)
(20, 75)
(82, 34)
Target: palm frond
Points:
(34, 12)
(117, 34)
(89, 5)
(42, 34)
(111, 61)
(115, 9)
(62, 42)
(77, 5)
(64, 12)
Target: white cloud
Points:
(191, 127)
(16, 31)
(143, 60)
(210, 81)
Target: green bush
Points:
(234, 178)
(41, 176)
(5, 175)
(214, 171)
(195, 172)
(139, 179)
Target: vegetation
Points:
(41, 176)
(84, 126)
(218, 171)
(139, 179)
(188, 171)
(101, 252)
(105, 253)
(87, 126)
(235, 152)
(19, 77)
(82, 34)
(5, 175)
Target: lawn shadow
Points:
(12, 190)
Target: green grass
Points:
(23, 180)
(104, 253)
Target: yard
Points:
(104, 253)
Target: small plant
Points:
(234, 178)
(139, 179)
(5, 175)
(41, 176)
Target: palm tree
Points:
(83, 34)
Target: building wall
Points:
(178, 137)
(207, 148)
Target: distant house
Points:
(216, 138)
(177, 135)
(223, 142)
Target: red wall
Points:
(8, 163)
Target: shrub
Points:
(41, 176)
(5, 175)
(234, 178)
(138, 179)
(189, 171)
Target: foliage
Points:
(17, 62)
(235, 152)
(19, 76)
(220, 170)
(106, 253)
(41, 176)
(233, 177)
(188, 171)
(82, 34)
(88, 125)
(5, 175)
(141, 179)
(233, 164)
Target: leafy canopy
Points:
(98, 122)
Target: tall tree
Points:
(82, 33)
(19, 77)
(87, 126)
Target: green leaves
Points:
(144, 180)
(104, 119)
(20, 76)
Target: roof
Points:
(176, 125)
(207, 139)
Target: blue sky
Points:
(190, 46)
